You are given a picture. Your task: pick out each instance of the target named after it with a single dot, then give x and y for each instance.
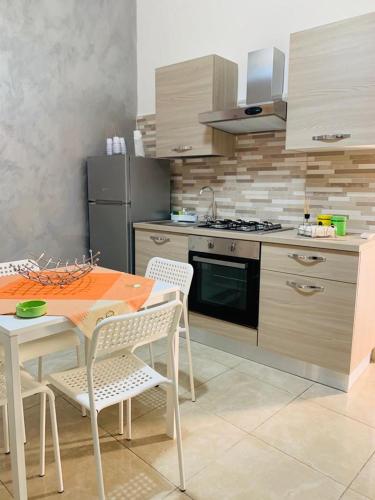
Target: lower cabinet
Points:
(150, 244)
(310, 319)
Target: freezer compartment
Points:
(108, 178)
(110, 233)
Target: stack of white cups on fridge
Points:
(116, 146)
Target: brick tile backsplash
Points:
(264, 181)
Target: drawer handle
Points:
(182, 149)
(307, 258)
(159, 240)
(305, 288)
(331, 137)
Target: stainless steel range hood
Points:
(265, 110)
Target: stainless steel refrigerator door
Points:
(149, 189)
(110, 234)
(108, 178)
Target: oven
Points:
(226, 279)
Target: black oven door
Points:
(225, 287)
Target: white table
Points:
(15, 331)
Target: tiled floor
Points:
(254, 433)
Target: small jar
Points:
(324, 219)
(339, 221)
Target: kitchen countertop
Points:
(349, 243)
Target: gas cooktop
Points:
(242, 225)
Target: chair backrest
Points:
(128, 330)
(7, 269)
(176, 273)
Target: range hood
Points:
(265, 110)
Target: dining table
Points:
(15, 331)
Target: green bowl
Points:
(31, 309)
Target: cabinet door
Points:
(331, 90)
(157, 244)
(312, 325)
(183, 91)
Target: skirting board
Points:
(259, 355)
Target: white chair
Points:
(113, 374)
(179, 274)
(37, 349)
(29, 387)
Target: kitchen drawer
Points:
(313, 325)
(306, 261)
(150, 244)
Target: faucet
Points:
(213, 203)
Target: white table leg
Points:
(17, 452)
(170, 420)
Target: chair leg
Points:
(188, 347)
(55, 438)
(42, 435)
(42, 423)
(121, 418)
(178, 435)
(98, 461)
(80, 363)
(129, 419)
(5, 429)
(151, 351)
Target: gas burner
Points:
(241, 225)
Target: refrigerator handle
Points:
(128, 167)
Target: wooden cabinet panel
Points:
(215, 326)
(156, 244)
(331, 86)
(183, 91)
(305, 261)
(315, 326)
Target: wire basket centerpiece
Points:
(51, 272)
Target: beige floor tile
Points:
(4, 493)
(203, 369)
(205, 437)
(364, 483)
(253, 470)
(329, 442)
(177, 495)
(146, 402)
(211, 354)
(242, 400)
(125, 475)
(286, 381)
(352, 495)
(358, 403)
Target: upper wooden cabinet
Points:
(183, 91)
(331, 92)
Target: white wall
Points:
(170, 31)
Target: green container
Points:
(339, 221)
(31, 309)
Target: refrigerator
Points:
(124, 189)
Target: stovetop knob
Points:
(233, 246)
(210, 244)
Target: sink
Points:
(176, 224)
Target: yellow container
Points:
(324, 219)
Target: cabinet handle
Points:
(159, 240)
(307, 258)
(305, 288)
(330, 137)
(182, 149)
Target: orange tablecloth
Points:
(100, 294)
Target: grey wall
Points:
(67, 81)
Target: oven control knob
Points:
(233, 246)
(210, 244)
